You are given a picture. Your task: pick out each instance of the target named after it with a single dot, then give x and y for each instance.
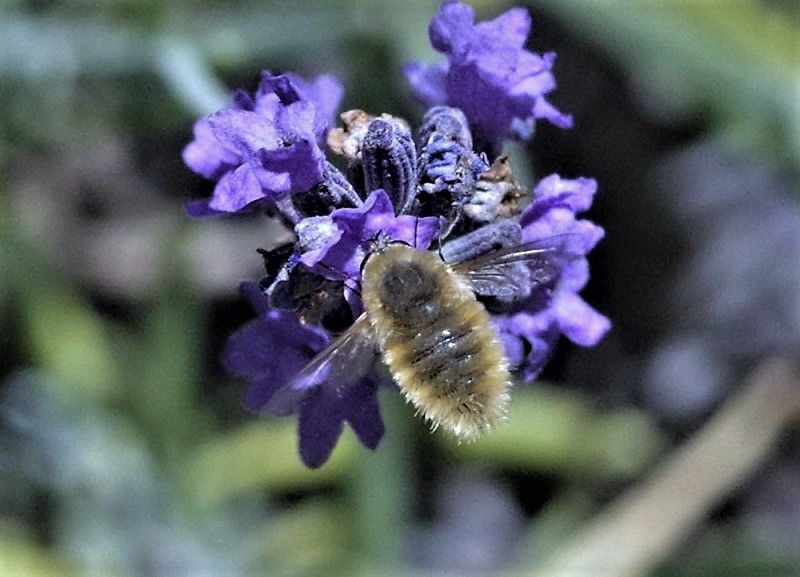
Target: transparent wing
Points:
(513, 271)
(345, 361)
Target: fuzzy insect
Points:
(423, 317)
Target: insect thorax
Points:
(405, 284)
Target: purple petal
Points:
(427, 82)
(527, 324)
(514, 348)
(541, 349)
(319, 429)
(280, 86)
(364, 415)
(353, 299)
(416, 231)
(543, 109)
(535, 329)
(260, 392)
(498, 44)
(238, 357)
(243, 132)
(255, 296)
(450, 29)
(236, 190)
(546, 314)
(291, 169)
(263, 351)
(551, 217)
(533, 70)
(577, 193)
(586, 235)
(325, 92)
(555, 221)
(578, 321)
(270, 351)
(574, 276)
(205, 155)
(200, 209)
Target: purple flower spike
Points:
(489, 75)
(312, 347)
(554, 310)
(269, 352)
(265, 148)
(374, 220)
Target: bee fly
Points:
(422, 315)
(436, 339)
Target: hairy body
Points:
(436, 339)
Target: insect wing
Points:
(511, 271)
(345, 361)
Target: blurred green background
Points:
(124, 450)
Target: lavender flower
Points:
(548, 312)
(265, 148)
(432, 188)
(489, 75)
(269, 351)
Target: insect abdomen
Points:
(437, 340)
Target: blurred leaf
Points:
(69, 341)
(165, 392)
(260, 455)
(551, 430)
(20, 558)
(311, 538)
(63, 334)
